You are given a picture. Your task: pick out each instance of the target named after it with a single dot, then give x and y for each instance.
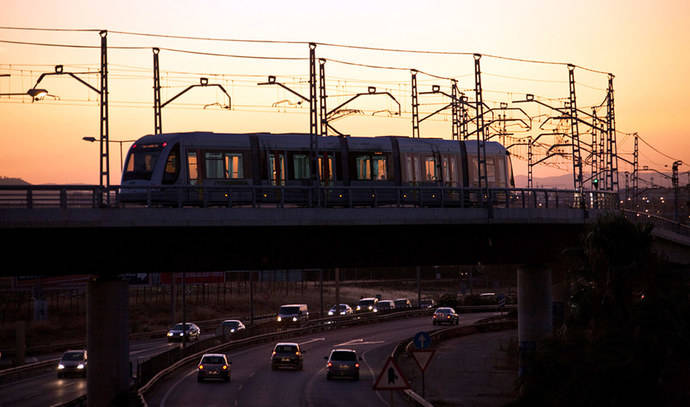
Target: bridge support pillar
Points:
(534, 311)
(108, 342)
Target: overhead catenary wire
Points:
(324, 44)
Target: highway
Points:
(46, 389)
(255, 384)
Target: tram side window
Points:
(301, 166)
(501, 172)
(363, 163)
(234, 168)
(409, 169)
(378, 168)
(172, 166)
(430, 169)
(490, 171)
(192, 168)
(214, 165)
(413, 168)
(276, 168)
(327, 173)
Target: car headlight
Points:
(170, 334)
(359, 308)
(232, 330)
(294, 319)
(342, 312)
(61, 366)
(371, 308)
(330, 312)
(181, 334)
(376, 310)
(279, 319)
(80, 366)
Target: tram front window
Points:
(141, 162)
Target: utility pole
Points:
(530, 176)
(415, 105)
(481, 135)
(105, 148)
(611, 127)
(455, 127)
(157, 120)
(575, 133)
(676, 189)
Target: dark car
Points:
(445, 315)
(342, 363)
(427, 303)
(344, 310)
(287, 354)
(213, 366)
(292, 313)
(73, 362)
(177, 333)
(231, 326)
(402, 303)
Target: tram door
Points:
(276, 168)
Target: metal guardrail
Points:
(59, 347)
(255, 196)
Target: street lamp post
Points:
(92, 139)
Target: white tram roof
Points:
(291, 141)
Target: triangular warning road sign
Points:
(423, 357)
(391, 377)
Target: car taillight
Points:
(356, 364)
(434, 316)
(330, 364)
(448, 316)
(201, 367)
(225, 367)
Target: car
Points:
(293, 313)
(287, 354)
(402, 303)
(342, 363)
(445, 315)
(427, 303)
(177, 333)
(344, 310)
(231, 326)
(73, 362)
(367, 304)
(385, 305)
(213, 366)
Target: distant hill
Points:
(12, 181)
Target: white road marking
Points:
(373, 378)
(311, 341)
(360, 341)
(177, 383)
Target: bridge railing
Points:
(85, 196)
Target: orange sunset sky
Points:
(644, 44)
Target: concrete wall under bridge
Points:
(111, 241)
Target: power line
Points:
(324, 44)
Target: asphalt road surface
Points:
(46, 389)
(255, 384)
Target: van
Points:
(292, 313)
